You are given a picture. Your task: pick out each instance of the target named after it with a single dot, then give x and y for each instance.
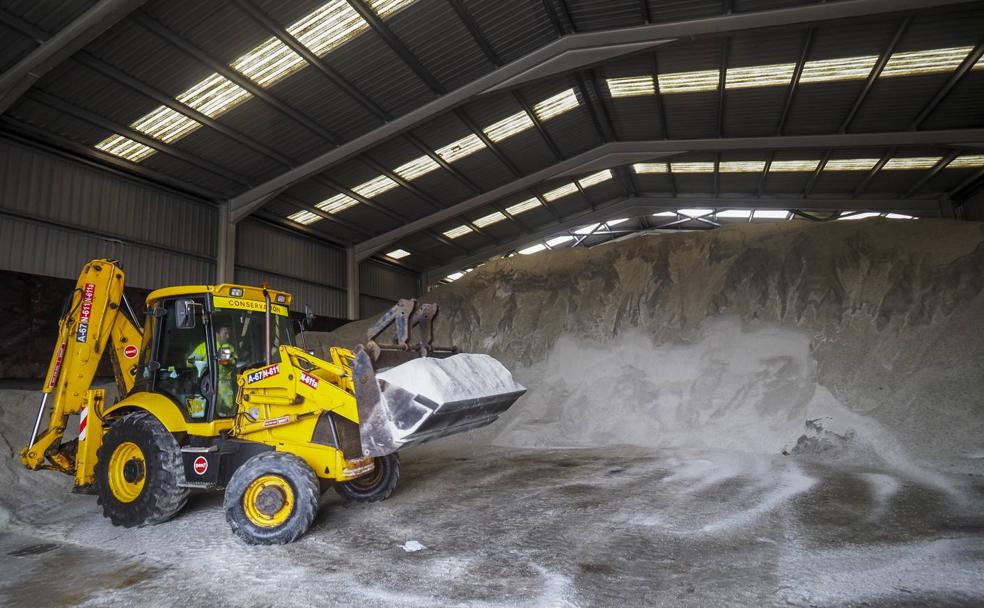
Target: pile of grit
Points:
(857, 341)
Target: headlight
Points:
(236, 292)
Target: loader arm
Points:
(92, 323)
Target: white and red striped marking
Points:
(83, 423)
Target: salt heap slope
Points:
(842, 339)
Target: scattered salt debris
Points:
(412, 546)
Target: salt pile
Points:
(848, 340)
(456, 378)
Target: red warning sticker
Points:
(200, 465)
(130, 352)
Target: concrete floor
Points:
(613, 527)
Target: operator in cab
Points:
(226, 355)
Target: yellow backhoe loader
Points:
(214, 394)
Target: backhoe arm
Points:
(91, 323)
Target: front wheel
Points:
(139, 472)
(272, 499)
(375, 486)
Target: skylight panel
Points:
(899, 216)
(932, 61)
(631, 86)
(595, 178)
(556, 105)
(693, 167)
(165, 124)
(268, 63)
(398, 254)
(214, 96)
(336, 203)
(692, 213)
(771, 214)
(523, 206)
(848, 215)
(322, 30)
(793, 166)
(375, 186)
(561, 192)
(509, 126)
(304, 217)
(759, 76)
(912, 163)
(741, 166)
(534, 249)
(842, 68)
(967, 161)
(456, 232)
(641, 168)
(559, 240)
(465, 146)
(851, 164)
(384, 8)
(616, 222)
(689, 82)
(586, 229)
(489, 219)
(734, 214)
(454, 276)
(125, 148)
(665, 214)
(417, 167)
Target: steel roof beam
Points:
(347, 87)
(965, 66)
(657, 147)
(21, 76)
(577, 51)
(875, 74)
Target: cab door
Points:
(183, 368)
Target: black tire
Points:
(161, 497)
(375, 486)
(288, 468)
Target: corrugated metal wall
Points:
(380, 285)
(56, 214)
(312, 271)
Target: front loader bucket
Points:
(428, 398)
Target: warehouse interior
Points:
(732, 250)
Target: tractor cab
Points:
(198, 340)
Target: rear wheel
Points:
(272, 499)
(375, 486)
(138, 469)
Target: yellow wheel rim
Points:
(127, 472)
(268, 501)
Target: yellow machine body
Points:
(212, 393)
(281, 411)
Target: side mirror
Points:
(308, 317)
(184, 314)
